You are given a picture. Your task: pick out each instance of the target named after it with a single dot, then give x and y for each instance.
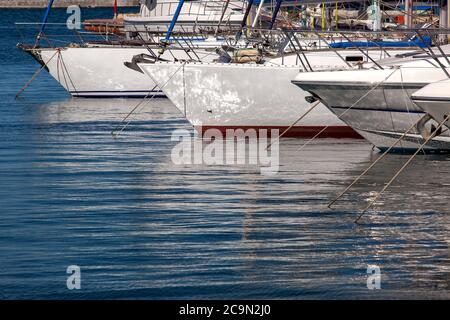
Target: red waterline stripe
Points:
(337, 132)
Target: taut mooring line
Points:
(292, 125)
(131, 112)
(402, 168)
(35, 75)
(349, 108)
(373, 164)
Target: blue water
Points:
(140, 227)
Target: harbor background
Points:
(141, 227)
(65, 3)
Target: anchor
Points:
(427, 133)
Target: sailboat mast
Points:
(44, 21)
(225, 8)
(409, 13)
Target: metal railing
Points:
(207, 7)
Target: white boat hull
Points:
(377, 104)
(99, 72)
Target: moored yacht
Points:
(375, 101)
(259, 96)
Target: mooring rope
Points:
(59, 65)
(293, 124)
(407, 99)
(35, 75)
(372, 202)
(373, 164)
(181, 67)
